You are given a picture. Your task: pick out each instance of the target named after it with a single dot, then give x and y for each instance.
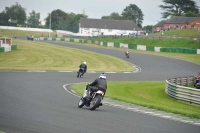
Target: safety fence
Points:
(176, 88)
(139, 36)
(122, 45)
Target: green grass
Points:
(195, 58)
(172, 43)
(11, 33)
(32, 55)
(148, 94)
(182, 32)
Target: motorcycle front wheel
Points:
(81, 103)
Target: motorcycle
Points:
(94, 100)
(80, 73)
(127, 55)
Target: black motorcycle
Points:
(80, 73)
(94, 100)
(127, 55)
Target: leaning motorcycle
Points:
(80, 73)
(94, 100)
(127, 55)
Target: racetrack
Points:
(36, 102)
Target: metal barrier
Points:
(175, 87)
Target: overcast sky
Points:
(93, 8)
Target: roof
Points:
(161, 23)
(181, 20)
(108, 24)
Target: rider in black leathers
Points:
(98, 84)
(83, 67)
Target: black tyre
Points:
(95, 102)
(80, 103)
(81, 74)
(78, 74)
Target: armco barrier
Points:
(175, 87)
(130, 46)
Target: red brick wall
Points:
(195, 24)
(157, 28)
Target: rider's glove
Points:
(88, 85)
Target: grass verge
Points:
(32, 55)
(150, 94)
(178, 32)
(11, 33)
(170, 43)
(195, 58)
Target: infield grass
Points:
(11, 33)
(32, 55)
(147, 94)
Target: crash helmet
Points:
(84, 62)
(103, 76)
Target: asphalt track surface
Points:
(36, 102)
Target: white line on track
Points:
(35, 71)
(143, 111)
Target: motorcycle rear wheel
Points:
(78, 74)
(95, 102)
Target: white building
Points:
(94, 27)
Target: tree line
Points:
(15, 15)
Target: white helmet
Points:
(103, 76)
(84, 63)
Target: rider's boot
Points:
(86, 94)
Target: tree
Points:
(3, 18)
(34, 19)
(192, 14)
(132, 12)
(178, 8)
(61, 20)
(114, 15)
(16, 14)
(58, 19)
(148, 28)
(13, 15)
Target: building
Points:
(94, 27)
(178, 22)
(159, 26)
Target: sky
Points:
(92, 8)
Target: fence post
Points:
(188, 80)
(176, 81)
(171, 80)
(181, 81)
